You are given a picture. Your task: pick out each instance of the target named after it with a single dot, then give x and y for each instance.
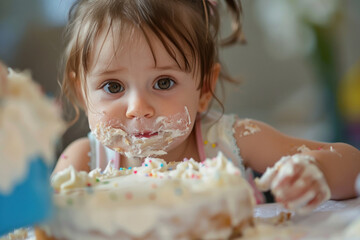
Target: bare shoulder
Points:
(76, 154)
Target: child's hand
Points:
(296, 182)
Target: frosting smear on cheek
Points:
(143, 137)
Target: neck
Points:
(186, 150)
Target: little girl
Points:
(144, 72)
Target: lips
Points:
(145, 135)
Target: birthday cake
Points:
(186, 200)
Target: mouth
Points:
(145, 135)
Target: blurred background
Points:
(299, 71)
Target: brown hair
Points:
(188, 25)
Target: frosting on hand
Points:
(296, 182)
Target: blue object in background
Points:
(30, 201)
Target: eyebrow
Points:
(100, 72)
(173, 67)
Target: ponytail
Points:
(235, 8)
(211, 15)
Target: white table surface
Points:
(331, 220)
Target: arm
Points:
(76, 154)
(339, 162)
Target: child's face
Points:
(128, 92)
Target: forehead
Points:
(118, 39)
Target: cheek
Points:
(107, 117)
(189, 101)
(193, 104)
(93, 120)
(189, 106)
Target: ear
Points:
(206, 93)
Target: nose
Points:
(139, 106)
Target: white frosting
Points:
(249, 127)
(121, 139)
(284, 168)
(151, 199)
(29, 125)
(303, 148)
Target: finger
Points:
(264, 183)
(314, 195)
(287, 175)
(322, 196)
(319, 198)
(295, 190)
(302, 201)
(301, 182)
(312, 204)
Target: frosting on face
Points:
(29, 125)
(151, 139)
(148, 198)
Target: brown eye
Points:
(164, 83)
(113, 87)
